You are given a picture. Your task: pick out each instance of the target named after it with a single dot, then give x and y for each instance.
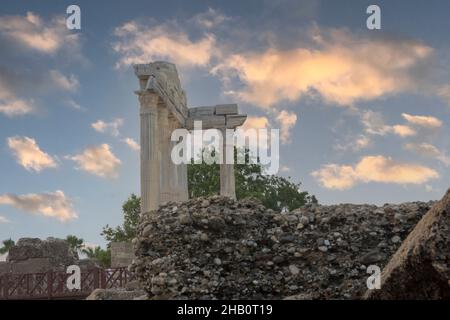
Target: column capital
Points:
(147, 99)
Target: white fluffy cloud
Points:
(53, 204)
(99, 161)
(373, 169)
(132, 144)
(138, 43)
(29, 155)
(108, 127)
(4, 220)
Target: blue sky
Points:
(363, 113)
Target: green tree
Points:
(103, 257)
(273, 191)
(131, 210)
(75, 243)
(7, 244)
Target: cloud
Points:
(210, 19)
(74, 105)
(444, 93)
(108, 127)
(66, 83)
(29, 155)
(374, 124)
(287, 120)
(10, 104)
(429, 150)
(98, 160)
(403, 131)
(4, 220)
(343, 68)
(27, 42)
(423, 121)
(256, 123)
(139, 43)
(357, 143)
(373, 169)
(54, 204)
(34, 33)
(15, 107)
(132, 144)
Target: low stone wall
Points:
(33, 255)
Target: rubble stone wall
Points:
(220, 248)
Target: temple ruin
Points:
(163, 108)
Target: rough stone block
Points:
(122, 254)
(223, 109)
(420, 269)
(201, 111)
(35, 265)
(208, 122)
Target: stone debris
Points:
(420, 269)
(117, 294)
(33, 255)
(218, 248)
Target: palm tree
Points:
(75, 243)
(7, 244)
(102, 256)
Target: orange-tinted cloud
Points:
(343, 68)
(98, 160)
(29, 155)
(53, 204)
(34, 33)
(423, 121)
(373, 169)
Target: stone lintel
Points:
(226, 109)
(235, 120)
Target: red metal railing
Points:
(52, 285)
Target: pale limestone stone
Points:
(163, 109)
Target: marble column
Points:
(165, 160)
(150, 162)
(181, 187)
(227, 180)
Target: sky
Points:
(363, 114)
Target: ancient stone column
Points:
(165, 160)
(150, 162)
(227, 181)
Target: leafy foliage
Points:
(126, 232)
(7, 244)
(75, 243)
(273, 191)
(103, 257)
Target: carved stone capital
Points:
(148, 99)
